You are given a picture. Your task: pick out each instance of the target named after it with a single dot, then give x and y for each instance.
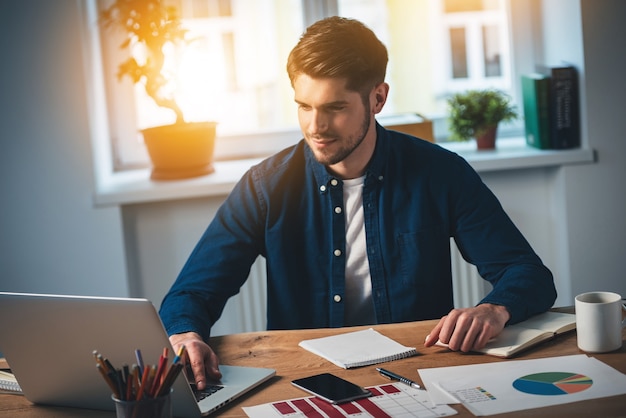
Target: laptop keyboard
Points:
(208, 391)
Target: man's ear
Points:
(380, 96)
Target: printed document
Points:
(495, 388)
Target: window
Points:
(438, 47)
(234, 71)
(475, 37)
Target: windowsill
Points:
(132, 187)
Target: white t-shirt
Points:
(358, 298)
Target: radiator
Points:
(246, 311)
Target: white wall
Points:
(52, 239)
(593, 197)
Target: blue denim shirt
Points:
(416, 196)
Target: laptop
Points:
(48, 341)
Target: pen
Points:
(393, 376)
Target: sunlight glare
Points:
(200, 81)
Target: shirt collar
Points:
(374, 168)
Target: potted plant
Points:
(181, 149)
(476, 114)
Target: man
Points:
(355, 221)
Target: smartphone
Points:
(331, 388)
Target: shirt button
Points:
(322, 188)
(334, 182)
(337, 210)
(337, 253)
(380, 178)
(337, 298)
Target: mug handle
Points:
(623, 309)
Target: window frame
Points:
(120, 96)
(472, 22)
(523, 54)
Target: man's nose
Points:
(318, 122)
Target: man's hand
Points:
(470, 328)
(204, 362)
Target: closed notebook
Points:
(358, 348)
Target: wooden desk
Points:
(279, 350)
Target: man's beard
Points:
(347, 148)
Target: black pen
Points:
(393, 376)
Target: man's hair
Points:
(338, 47)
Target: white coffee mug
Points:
(599, 321)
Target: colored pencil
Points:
(106, 378)
(141, 381)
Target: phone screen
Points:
(331, 388)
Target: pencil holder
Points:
(160, 407)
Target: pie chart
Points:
(552, 383)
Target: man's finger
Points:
(433, 337)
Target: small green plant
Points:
(473, 112)
(149, 25)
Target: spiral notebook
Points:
(8, 383)
(358, 348)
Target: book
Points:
(519, 337)
(564, 106)
(358, 348)
(535, 95)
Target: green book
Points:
(535, 93)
